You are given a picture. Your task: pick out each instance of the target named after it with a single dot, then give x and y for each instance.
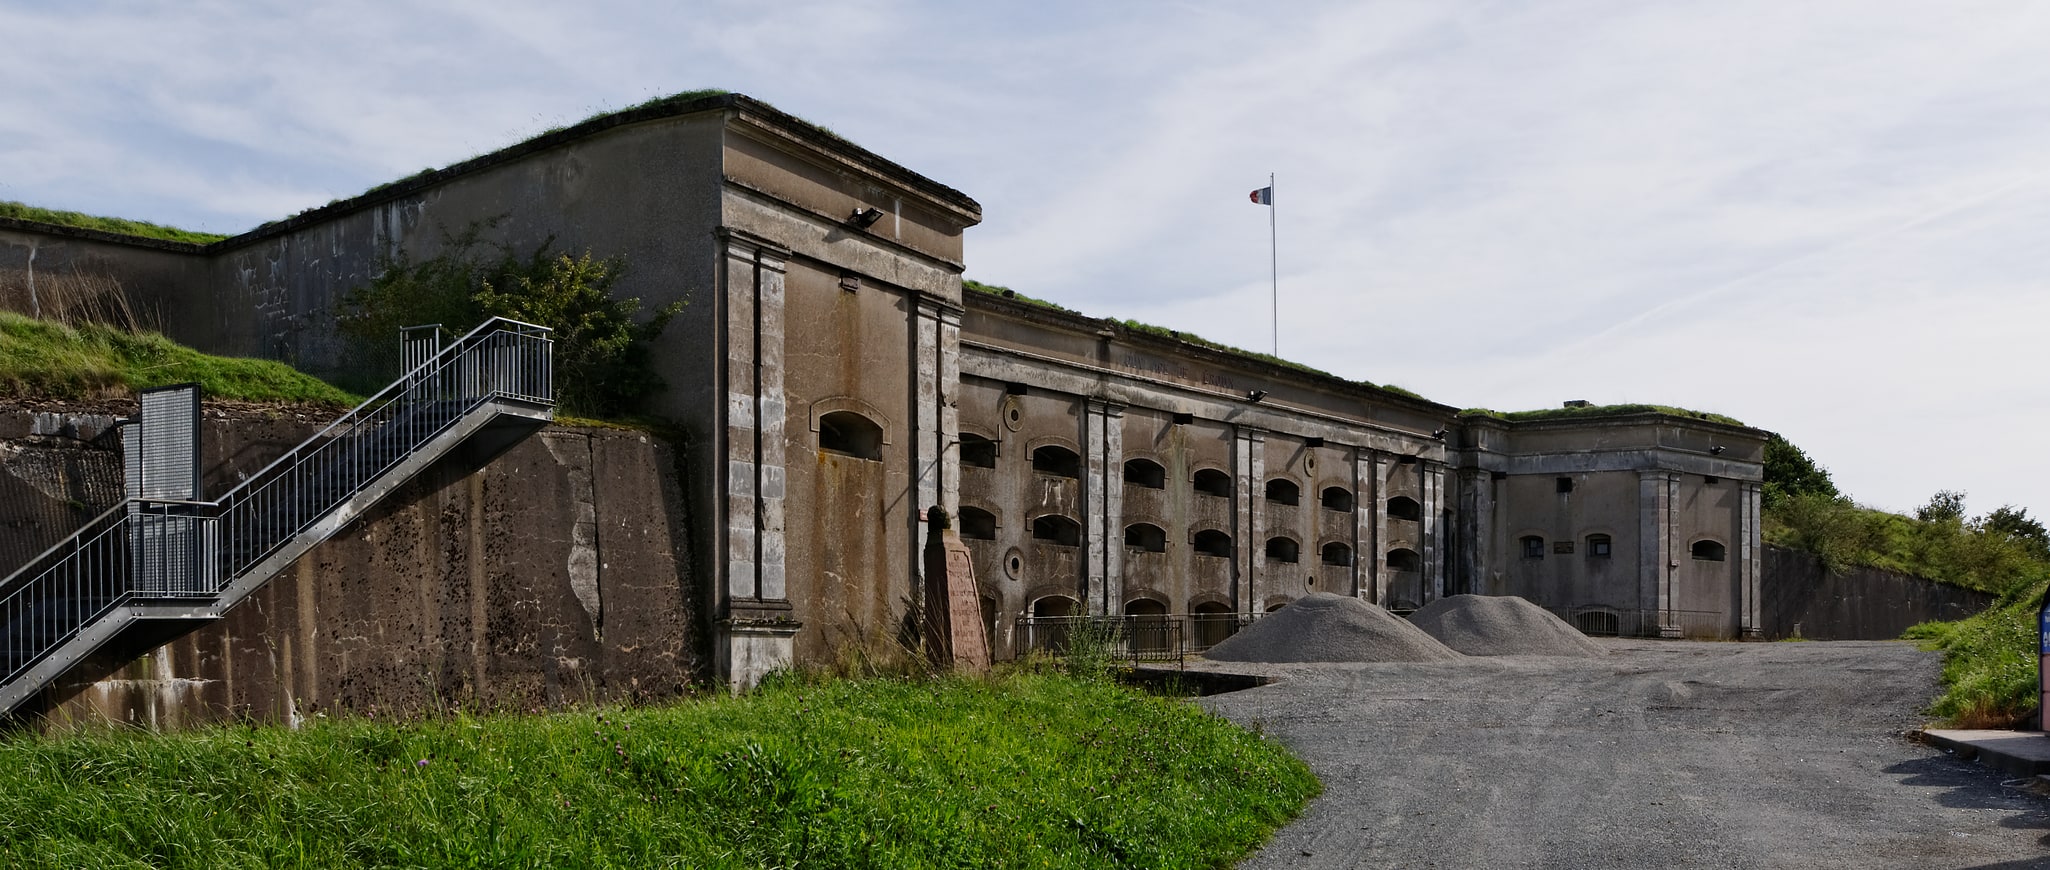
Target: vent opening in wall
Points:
(1283, 550)
(1338, 498)
(1404, 559)
(1058, 461)
(1145, 473)
(1057, 529)
(1708, 551)
(1284, 491)
(1210, 481)
(1184, 419)
(1337, 555)
(1563, 484)
(1014, 389)
(1211, 542)
(850, 434)
(977, 451)
(1147, 537)
(1403, 507)
(978, 524)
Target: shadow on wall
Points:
(1860, 604)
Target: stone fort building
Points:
(830, 377)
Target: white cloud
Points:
(1823, 218)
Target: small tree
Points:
(2016, 524)
(1947, 506)
(1789, 473)
(601, 353)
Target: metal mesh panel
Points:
(167, 458)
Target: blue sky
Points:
(1827, 219)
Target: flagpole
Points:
(1274, 267)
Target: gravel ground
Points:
(1660, 754)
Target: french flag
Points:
(1264, 196)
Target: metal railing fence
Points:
(150, 550)
(1129, 638)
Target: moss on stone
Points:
(114, 225)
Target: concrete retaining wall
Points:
(1862, 604)
(555, 575)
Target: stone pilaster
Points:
(1377, 517)
(1656, 568)
(757, 632)
(1249, 484)
(1103, 503)
(1431, 483)
(1476, 525)
(1749, 574)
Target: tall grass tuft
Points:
(1022, 770)
(42, 359)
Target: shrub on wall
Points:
(601, 342)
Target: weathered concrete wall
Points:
(554, 575)
(1860, 604)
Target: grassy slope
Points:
(119, 226)
(1989, 662)
(1023, 770)
(39, 359)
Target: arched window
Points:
(850, 434)
(1214, 622)
(1052, 606)
(1211, 542)
(1282, 550)
(1403, 507)
(1210, 481)
(977, 451)
(1276, 605)
(1145, 473)
(1337, 554)
(1338, 498)
(1057, 529)
(1598, 546)
(978, 524)
(1709, 551)
(1533, 546)
(1057, 460)
(1146, 536)
(1284, 491)
(1404, 559)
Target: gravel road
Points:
(1660, 754)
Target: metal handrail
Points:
(202, 550)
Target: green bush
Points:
(601, 343)
(1845, 535)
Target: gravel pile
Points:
(1323, 627)
(1483, 625)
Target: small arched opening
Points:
(1338, 498)
(1404, 559)
(1145, 473)
(1708, 551)
(1210, 481)
(1283, 550)
(977, 524)
(850, 434)
(1211, 542)
(1057, 529)
(1337, 555)
(1214, 622)
(1281, 490)
(1146, 625)
(977, 451)
(1147, 537)
(1058, 461)
(1403, 507)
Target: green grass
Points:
(1989, 662)
(40, 359)
(118, 226)
(1026, 770)
(974, 286)
(1599, 411)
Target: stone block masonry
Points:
(554, 576)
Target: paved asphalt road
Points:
(1660, 754)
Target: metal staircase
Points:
(151, 569)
